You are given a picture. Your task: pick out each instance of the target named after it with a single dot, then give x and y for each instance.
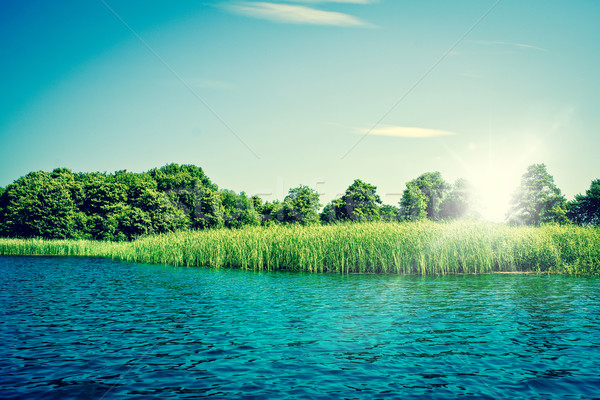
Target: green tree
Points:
(102, 207)
(207, 210)
(333, 211)
(413, 204)
(121, 206)
(359, 203)
(328, 213)
(190, 190)
(39, 205)
(257, 203)
(301, 205)
(585, 209)
(458, 202)
(271, 212)
(238, 210)
(388, 212)
(423, 196)
(174, 176)
(148, 211)
(537, 200)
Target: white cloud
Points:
(294, 14)
(333, 1)
(407, 132)
(501, 43)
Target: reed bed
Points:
(421, 248)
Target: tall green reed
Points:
(402, 248)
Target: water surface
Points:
(100, 329)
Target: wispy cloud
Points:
(407, 132)
(332, 1)
(512, 44)
(294, 14)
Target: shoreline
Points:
(409, 248)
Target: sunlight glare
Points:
(494, 189)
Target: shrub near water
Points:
(404, 248)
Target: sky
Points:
(268, 95)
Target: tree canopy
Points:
(413, 205)
(123, 206)
(238, 210)
(423, 197)
(40, 205)
(360, 202)
(301, 205)
(585, 208)
(119, 206)
(388, 212)
(537, 200)
(458, 202)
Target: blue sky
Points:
(265, 96)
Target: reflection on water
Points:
(88, 328)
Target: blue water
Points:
(98, 329)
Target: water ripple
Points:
(87, 328)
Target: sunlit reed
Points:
(421, 248)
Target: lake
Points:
(102, 329)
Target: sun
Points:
(493, 190)
(494, 166)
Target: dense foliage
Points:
(423, 197)
(124, 205)
(119, 206)
(458, 202)
(430, 197)
(585, 209)
(301, 205)
(537, 200)
(359, 203)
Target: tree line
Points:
(125, 205)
